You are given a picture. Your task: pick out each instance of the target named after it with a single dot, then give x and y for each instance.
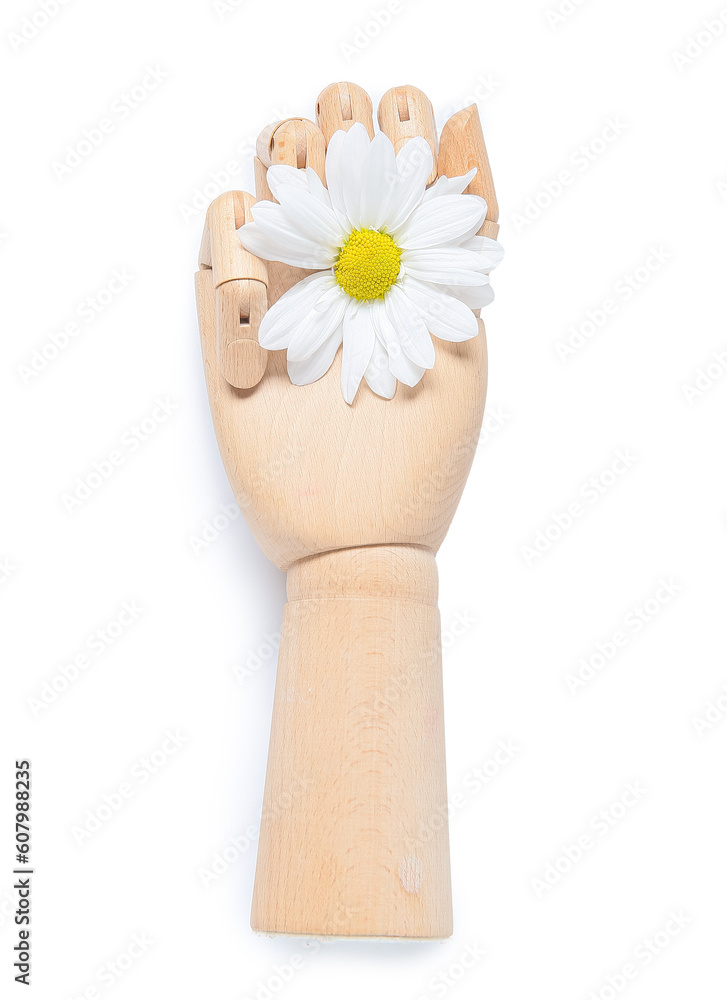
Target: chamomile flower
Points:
(395, 262)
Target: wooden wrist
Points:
(407, 572)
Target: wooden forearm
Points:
(354, 837)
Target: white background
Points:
(200, 659)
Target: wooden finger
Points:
(239, 308)
(461, 147)
(297, 142)
(405, 112)
(340, 106)
(240, 281)
(229, 259)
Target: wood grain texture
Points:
(240, 308)
(340, 106)
(353, 502)
(312, 473)
(405, 112)
(463, 147)
(354, 837)
(240, 279)
(262, 191)
(229, 258)
(296, 142)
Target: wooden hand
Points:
(352, 501)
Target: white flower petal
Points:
(282, 317)
(410, 327)
(414, 165)
(406, 371)
(276, 240)
(334, 172)
(450, 185)
(358, 346)
(474, 296)
(310, 217)
(353, 152)
(379, 178)
(378, 375)
(402, 367)
(280, 174)
(295, 224)
(490, 250)
(467, 238)
(314, 367)
(445, 316)
(321, 322)
(441, 220)
(445, 266)
(316, 186)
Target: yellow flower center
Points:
(368, 264)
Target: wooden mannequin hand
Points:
(353, 501)
(310, 472)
